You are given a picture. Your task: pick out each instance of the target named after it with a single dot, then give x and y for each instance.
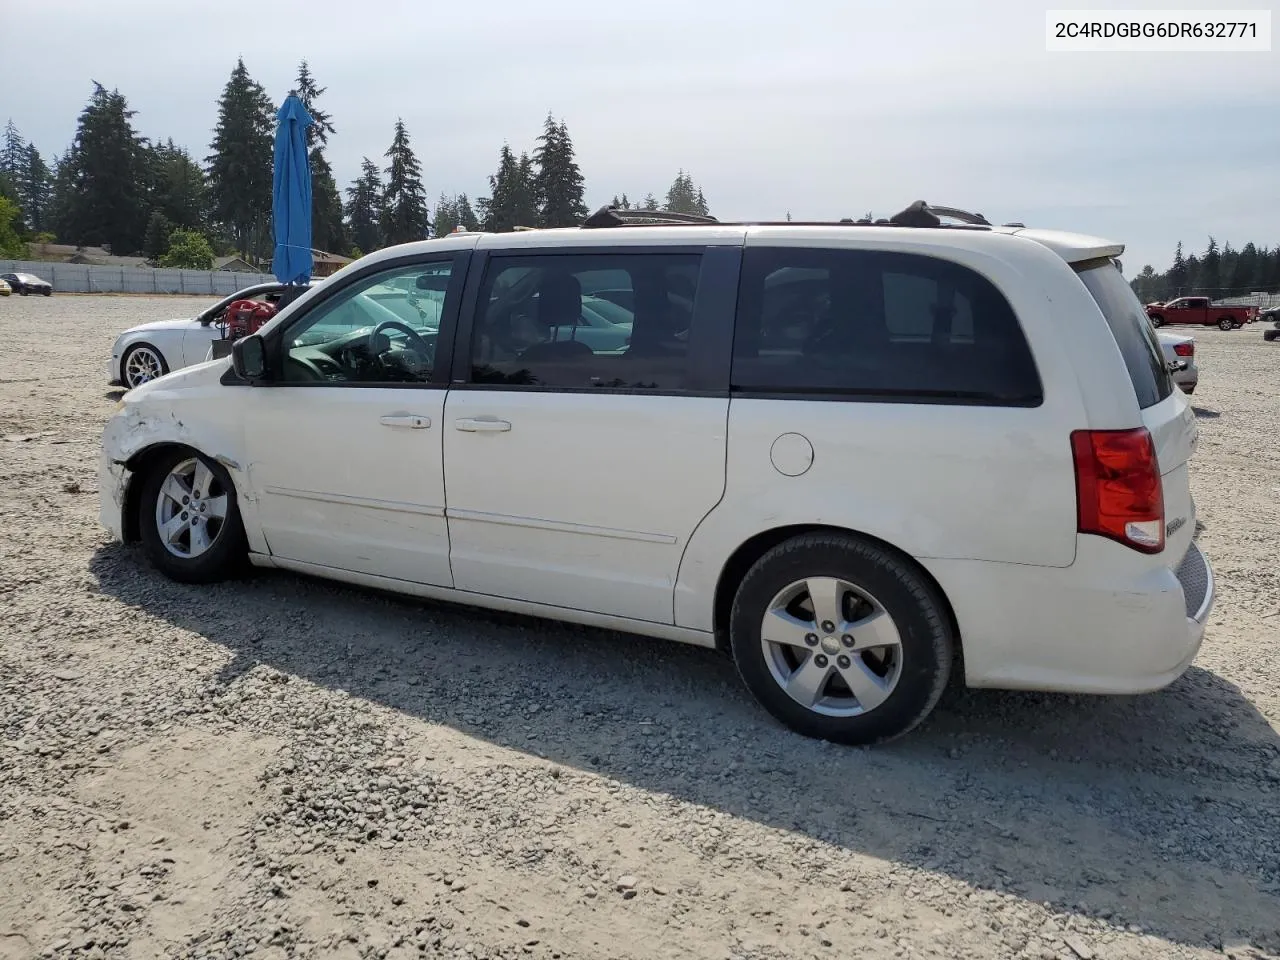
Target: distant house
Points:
(235, 264)
(327, 264)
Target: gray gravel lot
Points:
(284, 767)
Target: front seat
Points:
(559, 305)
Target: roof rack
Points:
(610, 216)
(918, 214)
(922, 214)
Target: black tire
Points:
(1226, 323)
(47, 291)
(918, 611)
(22, 291)
(1270, 335)
(124, 362)
(1157, 321)
(225, 557)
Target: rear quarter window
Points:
(1131, 329)
(894, 327)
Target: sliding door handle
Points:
(409, 421)
(482, 425)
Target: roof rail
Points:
(610, 216)
(922, 214)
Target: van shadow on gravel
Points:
(1160, 811)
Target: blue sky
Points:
(822, 108)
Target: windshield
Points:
(1132, 330)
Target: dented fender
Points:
(190, 408)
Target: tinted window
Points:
(879, 325)
(380, 329)
(1131, 328)
(592, 321)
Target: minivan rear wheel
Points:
(841, 639)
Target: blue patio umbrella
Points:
(291, 195)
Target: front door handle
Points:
(482, 425)
(410, 421)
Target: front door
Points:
(578, 468)
(345, 443)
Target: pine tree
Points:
(13, 154)
(466, 215)
(62, 194)
(511, 201)
(35, 185)
(178, 186)
(404, 204)
(241, 162)
(109, 177)
(321, 123)
(328, 232)
(650, 202)
(445, 218)
(1246, 265)
(684, 196)
(1178, 273)
(558, 184)
(364, 199)
(156, 242)
(1210, 279)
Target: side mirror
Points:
(249, 358)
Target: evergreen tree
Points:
(445, 217)
(328, 232)
(404, 204)
(241, 164)
(511, 201)
(36, 185)
(684, 196)
(1245, 270)
(364, 198)
(1210, 279)
(650, 202)
(466, 215)
(62, 194)
(179, 189)
(321, 123)
(558, 183)
(1178, 273)
(13, 154)
(108, 175)
(159, 230)
(188, 249)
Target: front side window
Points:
(590, 321)
(380, 329)
(888, 326)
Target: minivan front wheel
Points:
(189, 520)
(841, 639)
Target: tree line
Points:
(113, 187)
(1216, 273)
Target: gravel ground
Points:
(284, 767)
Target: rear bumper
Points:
(1079, 629)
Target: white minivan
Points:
(855, 456)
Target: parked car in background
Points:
(1272, 332)
(5, 289)
(1180, 355)
(25, 283)
(1199, 311)
(855, 457)
(1270, 315)
(151, 350)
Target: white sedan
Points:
(1180, 356)
(151, 350)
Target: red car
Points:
(1201, 312)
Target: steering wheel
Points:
(415, 339)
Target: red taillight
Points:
(1118, 490)
(1185, 349)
